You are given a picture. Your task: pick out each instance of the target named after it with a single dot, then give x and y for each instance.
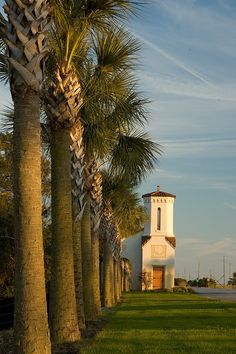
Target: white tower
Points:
(158, 246)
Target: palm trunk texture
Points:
(31, 323)
(122, 276)
(119, 277)
(108, 276)
(87, 266)
(78, 194)
(95, 210)
(78, 273)
(96, 271)
(116, 281)
(25, 34)
(63, 311)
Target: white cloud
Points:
(209, 19)
(200, 181)
(192, 252)
(197, 248)
(204, 148)
(173, 59)
(230, 206)
(177, 85)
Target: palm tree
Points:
(72, 26)
(137, 153)
(104, 83)
(114, 50)
(122, 216)
(24, 34)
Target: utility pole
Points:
(230, 275)
(198, 273)
(224, 270)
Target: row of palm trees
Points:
(92, 107)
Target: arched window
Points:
(159, 219)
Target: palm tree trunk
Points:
(87, 266)
(30, 323)
(119, 277)
(116, 280)
(63, 312)
(96, 271)
(108, 276)
(78, 194)
(94, 186)
(122, 275)
(78, 273)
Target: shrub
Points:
(165, 290)
(190, 290)
(180, 289)
(180, 282)
(183, 289)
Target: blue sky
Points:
(187, 68)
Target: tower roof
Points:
(159, 193)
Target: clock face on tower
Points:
(158, 251)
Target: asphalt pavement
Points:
(220, 294)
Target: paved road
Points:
(221, 294)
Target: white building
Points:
(152, 251)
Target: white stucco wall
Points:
(152, 204)
(166, 258)
(132, 249)
(157, 251)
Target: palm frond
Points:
(107, 88)
(101, 11)
(128, 212)
(129, 111)
(115, 50)
(132, 221)
(7, 119)
(69, 32)
(97, 139)
(134, 156)
(4, 70)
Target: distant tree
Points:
(211, 283)
(7, 254)
(232, 281)
(203, 282)
(192, 282)
(180, 282)
(7, 258)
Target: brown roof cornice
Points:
(159, 193)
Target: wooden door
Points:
(158, 277)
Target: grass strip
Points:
(167, 323)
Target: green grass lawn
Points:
(167, 323)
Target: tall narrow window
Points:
(159, 219)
